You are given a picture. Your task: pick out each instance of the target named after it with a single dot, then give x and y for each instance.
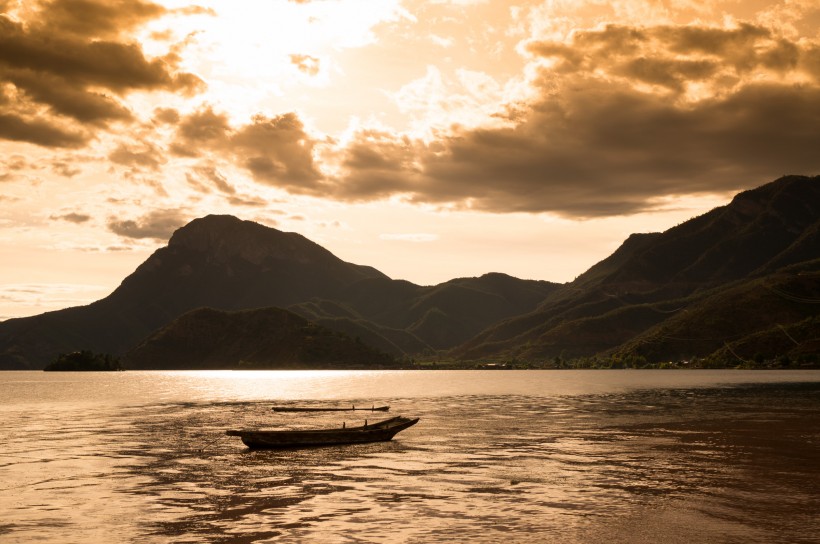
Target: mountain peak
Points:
(224, 237)
(783, 194)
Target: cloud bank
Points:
(66, 68)
(620, 118)
(616, 119)
(623, 116)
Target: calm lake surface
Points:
(517, 456)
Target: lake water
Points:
(516, 456)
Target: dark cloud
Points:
(158, 225)
(625, 117)
(373, 161)
(119, 67)
(72, 217)
(678, 52)
(274, 150)
(727, 43)
(670, 73)
(306, 64)
(95, 18)
(168, 116)
(35, 131)
(277, 150)
(74, 59)
(79, 104)
(201, 130)
(810, 61)
(607, 151)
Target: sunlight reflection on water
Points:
(509, 457)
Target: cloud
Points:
(63, 168)
(378, 164)
(305, 63)
(207, 177)
(157, 225)
(682, 53)
(247, 202)
(274, 150)
(72, 217)
(140, 156)
(622, 116)
(195, 10)
(66, 100)
(11, 166)
(278, 150)
(97, 19)
(69, 65)
(22, 129)
(200, 130)
(166, 116)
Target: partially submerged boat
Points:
(373, 408)
(374, 432)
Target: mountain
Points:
(216, 261)
(228, 264)
(728, 281)
(438, 317)
(265, 338)
(761, 307)
(688, 291)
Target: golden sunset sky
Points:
(429, 139)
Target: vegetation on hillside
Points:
(265, 338)
(84, 361)
(709, 286)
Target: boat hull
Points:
(378, 432)
(310, 409)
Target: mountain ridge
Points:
(760, 232)
(225, 263)
(614, 309)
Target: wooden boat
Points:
(328, 409)
(374, 432)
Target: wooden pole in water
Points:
(211, 443)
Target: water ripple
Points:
(720, 464)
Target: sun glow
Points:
(255, 54)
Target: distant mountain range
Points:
(224, 263)
(740, 271)
(741, 281)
